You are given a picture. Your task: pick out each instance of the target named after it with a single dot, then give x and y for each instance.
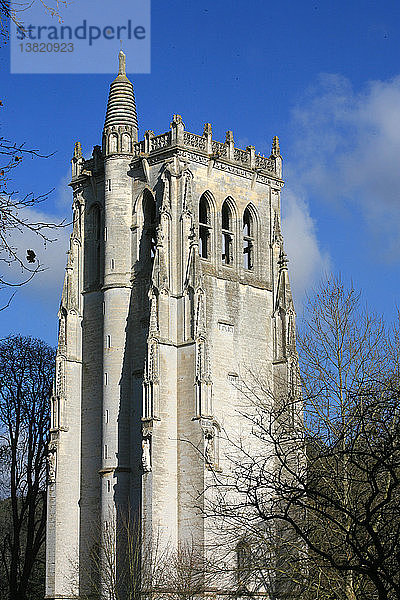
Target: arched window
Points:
(227, 235)
(113, 142)
(248, 240)
(149, 225)
(244, 563)
(204, 227)
(126, 142)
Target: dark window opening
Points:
(227, 236)
(244, 564)
(204, 228)
(149, 226)
(248, 240)
(203, 241)
(204, 212)
(227, 255)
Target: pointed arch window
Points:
(244, 563)
(149, 225)
(204, 227)
(113, 142)
(227, 235)
(248, 240)
(126, 142)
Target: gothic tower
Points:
(176, 283)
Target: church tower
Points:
(176, 287)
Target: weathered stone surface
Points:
(154, 338)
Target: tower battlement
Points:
(202, 147)
(205, 146)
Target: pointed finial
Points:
(275, 146)
(122, 63)
(229, 137)
(77, 150)
(277, 234)
(207, 129)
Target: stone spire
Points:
(121, 107)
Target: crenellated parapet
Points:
(213, 150)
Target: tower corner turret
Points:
(121, 126)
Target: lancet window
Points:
(126, 142)
(248, 240)
(204, 228)
(227, 235)
(149, 225)
(244, 563)
(113, 143)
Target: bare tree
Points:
(12, 12)
(26, 378)
(326, 490)
(14, 218)
(186, 576)
(121, 565)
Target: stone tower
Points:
(176, 282)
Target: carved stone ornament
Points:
(160, 235)
(147, 429)
(52, 463)
(166, 201)
(209, 451)
(146, 459)
(60, 381)
(187, 182)
(154, 326)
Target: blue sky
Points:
(323, 76)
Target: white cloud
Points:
(307, 261)
(64, 193)
(346, 152)
(47, 283)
